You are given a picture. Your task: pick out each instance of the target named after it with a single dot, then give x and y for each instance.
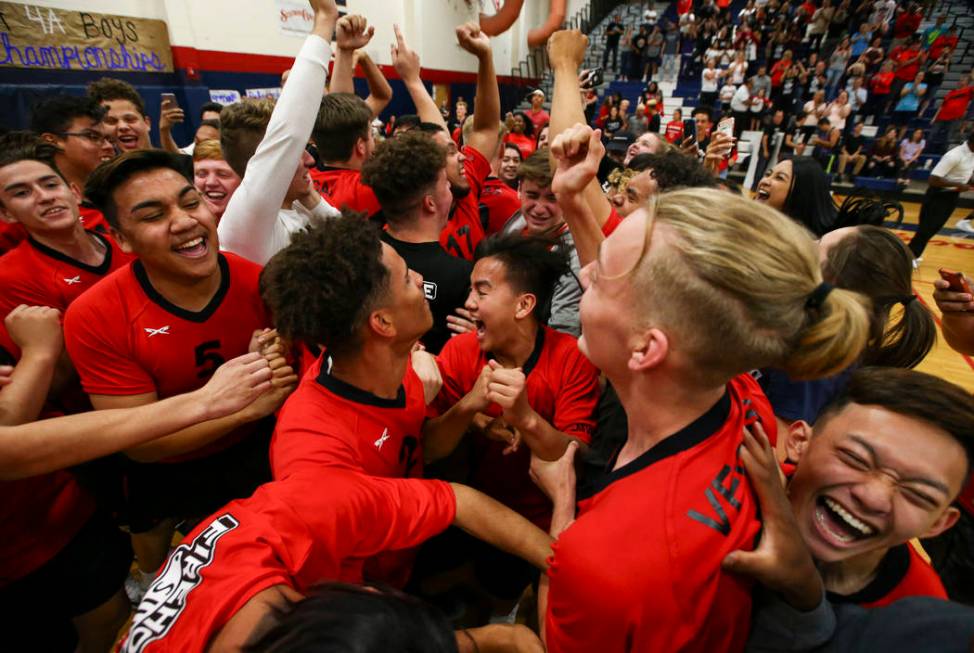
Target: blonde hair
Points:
(208, 150)
(242, 127)
(733, 289)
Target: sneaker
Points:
(136, 586)
(916, 262)
(965, 225)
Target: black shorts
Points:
(196, 488)
(86, 573)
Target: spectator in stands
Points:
(213, 177)
(944, 43)
(675, 128)
(907, 60)
(859, 42)
(839, 110)
(909, 154)
(906, 24)
(653, 53)
(838, 62)
(125, 117)
(799, 188)
(671, 53)
(909, 102)
(880, 90)
(947, 120)
(638, 123)
(727, 92)
(737, 70)
(537, 114)
(613, 32)
(759, 107)
(709, 84)
(936, 69)
(509, 162)
(761, 81)
(824, 142)
(858, 97)
(884, 160)
(740, 106)
(637, 48)
(852, 151)
(874, 55)
(949, 178)
(788, 90)
(522, 132)
(73, 125)
(814, 109)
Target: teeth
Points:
(215, 195)
(191, 244)
(849, 518)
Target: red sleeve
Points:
(476, 168)
(455, 367)
(11, 235)
(575, 404)
(388, 514)
(613, 221)
(365, 199)
(96, 342)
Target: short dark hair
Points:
(705, 110)
(402, 171)
(536, 168)
(54, 115)
(407, 122)
(322, 287)
(343, 118)
(673, 170)
(210, 106)
(19, 146)
(341, 617)
(528, 124)
(107, 89)
(215, 124)
(102, 183)
(912, 394)
(531, 265)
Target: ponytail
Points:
(908, 341)
(834, 337)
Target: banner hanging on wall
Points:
(63, 39)
(296, 17)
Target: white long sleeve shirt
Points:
(254, 225)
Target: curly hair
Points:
(107, 89)
(673, 170)
(242, 127)
(322, 287)
(403, 170)
(343, 118)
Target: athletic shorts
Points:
(196, 488)
(86, 573)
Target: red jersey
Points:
(343, 188)
(126, 339)
(37, 275)
(524, 143)
(11, 235)
(955, 104)
(909, 71)
(93, 219)
(639, 569)
(906, 24)
(539, 118)
(562, 387)
(501, 202)
(943, 42)
(465, 230)
(328, 423)
(902, 573)
(299, 532)
(881, 83)
(674, 131)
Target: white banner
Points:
(225, 97)
(263, 93)
(296, 18)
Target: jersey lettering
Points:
(730, 494)
(208, 359)
(166, 597)
(407, 454)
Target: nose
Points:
(182, 221)
(307, 160)
(418, 278)
(875, 494)
(471, 303)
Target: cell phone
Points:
(169, 99)
(956, 280)
(726, 126)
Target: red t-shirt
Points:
(906, 24)
(778, 71)
(501, 202)
(902, 573)
(943, 42)
(683, 7)
(674, 131)
(881, 83)
(300, 532)
(93, 219)
(955, 104)
(639, 569)
(343, 188)
(11, 235)
(539, 119)
(37, 275)
(126, 339)
(562, 387)
(522, 142)
(465, 230)
(902, 53)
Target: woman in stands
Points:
(883, 160)
(909, 155)
(510, 161)
(800, 189)
(872, 261)
(521, 134)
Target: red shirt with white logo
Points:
(465, 230)
(343, 188)
(127, 339)
(562, 387)
(93, 219)
(902, 573)
(299, 532)
(639, 568)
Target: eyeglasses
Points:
(93, 136)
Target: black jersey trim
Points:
(535, 356)
(100, 270)
(358, 395)
(190, 316)
(891, 572)
(688, 437)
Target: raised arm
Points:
(566, 51)
(250, 226)
(351, 33)
(37, 331)
(380, 92)
(577, 152)
(487, 103)
(53, 444)
(406, 62)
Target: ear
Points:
(78, 195)
(651, 349)
(797, 437)
(5, 215)
(428, 204)
(123, 242)
(380, 322)
(525, 305)
(361, 147)
(48, 137)
(945, 521)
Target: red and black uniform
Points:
(299, 532)
(562, 387)
(501, 202)
(126, 339)
(343, 188)
(465, 230)
(93, 219)
(639, 569)
(902, 573)
(329, 423)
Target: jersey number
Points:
(208, 358)
(454, 247)
(407, 454)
